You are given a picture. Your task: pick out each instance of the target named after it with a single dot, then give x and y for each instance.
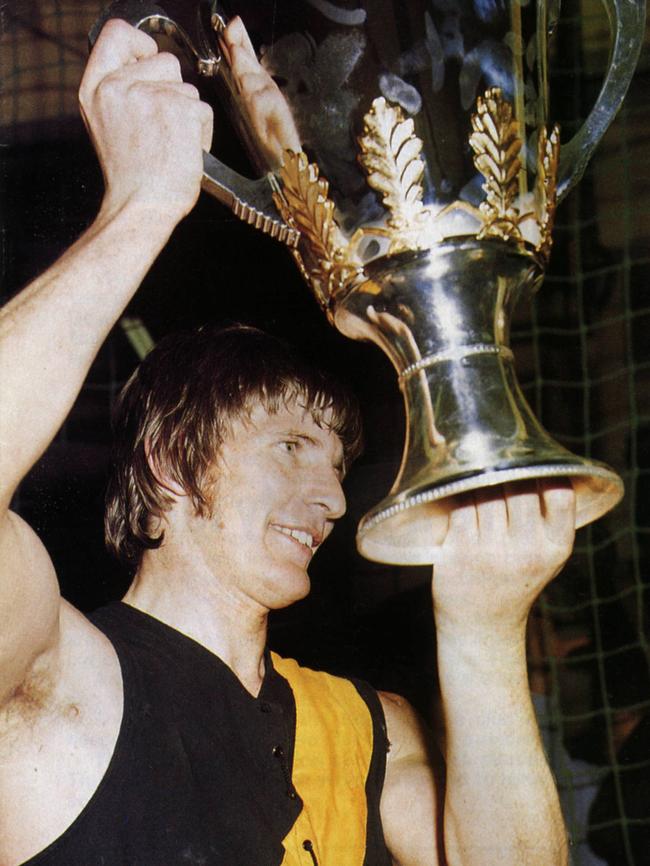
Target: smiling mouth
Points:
(300, 535)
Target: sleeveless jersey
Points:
(204, 773)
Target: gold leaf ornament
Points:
(548, 158)
(497, 148)
(390, 155)
(307, 204)
(323, 256)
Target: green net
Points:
(586, 342)
(43, 55)
(583, 359)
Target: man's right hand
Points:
(149, 128)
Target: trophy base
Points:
(442, 316)
(409, 527)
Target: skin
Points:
(275, 473)
(217, 578)
(267, 112)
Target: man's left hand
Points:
(502, 547)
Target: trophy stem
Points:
(442, 316)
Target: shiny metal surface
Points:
(431, 60)
(191, 25)
(442, 316)
(170, 19)
(419, 208)
(250, 200)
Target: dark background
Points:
(582, 352)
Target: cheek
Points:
(242, 513)
(245, 500)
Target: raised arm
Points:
(149, 129)
(500, 805)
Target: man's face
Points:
(276, 496)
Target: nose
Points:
(327, 493)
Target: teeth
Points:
(301, 536)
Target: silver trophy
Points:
(419, 208)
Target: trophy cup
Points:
(420, 211)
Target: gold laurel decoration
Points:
(548, 157)
(325, 260)
(497, 148)
(390, 155)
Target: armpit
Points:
(30, 699)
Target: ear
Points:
(160, 474)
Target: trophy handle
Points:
(250, 200)
(626, 19)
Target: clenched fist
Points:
(149, 128)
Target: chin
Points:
(290, 589)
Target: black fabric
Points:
(376, 852)
(201, 769)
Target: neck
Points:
(231, 627)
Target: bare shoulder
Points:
(57, 733)
(29, 602)
(47, 646)
(411, 799)
(42, 634)
(75, 670)
(408, 735)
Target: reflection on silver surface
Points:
(421, 195)
(441, 316)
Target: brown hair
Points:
(176, 408)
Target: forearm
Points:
(501, 804)
(139, 114)
(51, 332)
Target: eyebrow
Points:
(339, 464)
(298, 435)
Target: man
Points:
(162, 732)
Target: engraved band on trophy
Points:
(420, 211)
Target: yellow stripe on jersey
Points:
(333, 749)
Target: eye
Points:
(290, 445)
